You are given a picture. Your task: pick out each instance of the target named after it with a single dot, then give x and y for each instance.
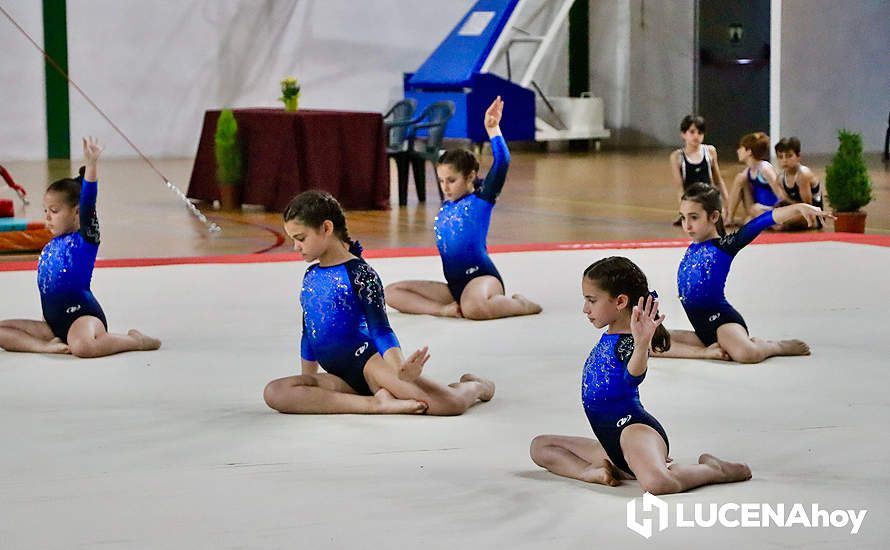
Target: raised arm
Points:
(494, 181)
(91, 152)
(809, 212)
(493, 117)
(733, 242)
(89, 220)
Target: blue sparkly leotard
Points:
(462, 226)
(344, 320)
(763, 193)
(701, 278)
(610, 395)
(65, 269)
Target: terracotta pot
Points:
(850, 222)
(229, 197)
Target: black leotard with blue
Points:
(462, 226)
(611, 397)
(344, 320)
(65, 269)
(701, 278)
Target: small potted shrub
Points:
(847, 184)
(227, 149)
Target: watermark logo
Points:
(732, 515)
(644, 527)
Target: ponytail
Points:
(661, 340)
(355, 248)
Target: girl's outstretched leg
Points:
(30, 336)
(441, 400)
(87, 337)
(328, 394)
(580, 458)
(483, 299)
(743, 349)
(686, 345)
(422, 297)
(646, 454)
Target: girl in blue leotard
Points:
(629, 442)
(347, 333)
(474, 288)
(757, 187)
(702, 275)
(73, 320)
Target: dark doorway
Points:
(733, 69)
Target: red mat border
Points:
(769, 238)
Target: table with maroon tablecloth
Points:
(286, 153)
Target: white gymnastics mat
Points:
(176, 449)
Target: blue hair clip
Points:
(653, 294)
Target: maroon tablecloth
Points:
(285, 153)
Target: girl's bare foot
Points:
(529, 307)
(731, 471)
(714, 351)
(604, 474)
(487, 385)
(56, 345)
(787, 347)
(451, 310)
(793, 347)
(146, 343)
(387, 403)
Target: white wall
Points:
(154, 67)
(835, 71)
(22, 95)
(642, 66)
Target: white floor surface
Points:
(176, 449)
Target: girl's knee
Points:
(659, 483)
(536, 449)
(447, 405)
(83, 347)
(747, 355)
(476, 310)
(275, 393)
(270, 394)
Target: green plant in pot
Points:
(227, 149)
(847, 184)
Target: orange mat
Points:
(23, 237)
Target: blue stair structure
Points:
(454, 72)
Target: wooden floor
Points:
(549, 197)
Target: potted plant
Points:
(847, 184)
(227, 149)
(290, 93)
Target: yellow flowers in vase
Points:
(290, 93)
